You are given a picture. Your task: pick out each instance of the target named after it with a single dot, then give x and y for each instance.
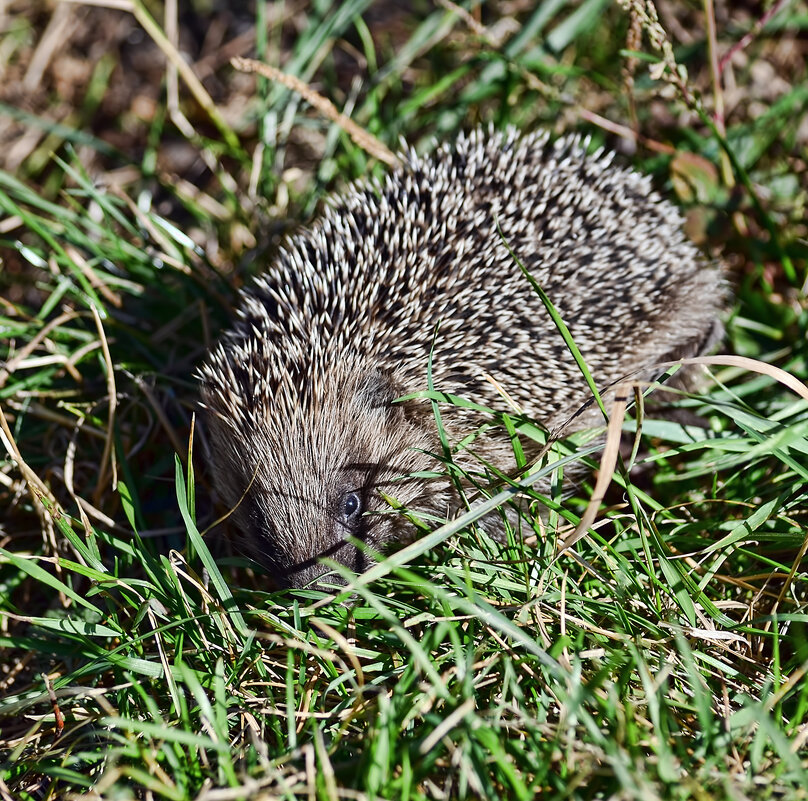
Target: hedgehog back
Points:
(385, 265)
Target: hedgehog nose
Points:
(314, 574)
(315, 577)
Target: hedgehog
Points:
(309, 435)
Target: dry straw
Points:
(369, 143)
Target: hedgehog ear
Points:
(378, 390)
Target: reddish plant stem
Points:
(748, 37)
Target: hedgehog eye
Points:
(351, 510)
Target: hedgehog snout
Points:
(314, 574)
(326, 529)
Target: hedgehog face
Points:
(312, 488)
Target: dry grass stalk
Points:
(109, 451)
(611, 450)
(369, 143)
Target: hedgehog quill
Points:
(299, 393)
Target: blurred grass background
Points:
(143, 180)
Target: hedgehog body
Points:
(299, 393)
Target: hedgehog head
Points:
(304, 463)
